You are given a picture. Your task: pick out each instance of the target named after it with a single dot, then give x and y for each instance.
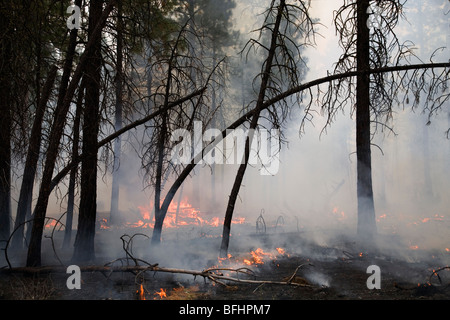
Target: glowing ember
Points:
(104, 224)
(161, 293)
(340, 214)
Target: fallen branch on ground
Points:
(210, 273)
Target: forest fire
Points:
(178, 215)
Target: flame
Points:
(50, 224)
(436, 217)
(254, 258)
(140, 292)
(258, 257)
(340, 215)
(104, 224)
(414, 247)
(161, 293)
(180, 214)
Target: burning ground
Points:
(283, 264)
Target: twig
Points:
(436, 272)
(295, 272)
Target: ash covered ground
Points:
(330, 267)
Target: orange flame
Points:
(161, 293)
(340, 215)
(258, 257)
(180, 214)
(140, 292)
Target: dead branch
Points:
(207, 273)
(436, 272)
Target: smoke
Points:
(314, 191)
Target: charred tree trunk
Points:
(118, 119)
(5, 125)
(84, 241)
(160, 211)
(34, 249)
(159, 215)
(74, 170)
(248, 140)
(366, 211)
(26, 189)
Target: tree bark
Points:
(74, 170)
(26, 189)
(34, 249)
(248, 141)
(84, 241)
(366, 228)
(118, 119)
(5, 125)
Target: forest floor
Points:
(330, 272)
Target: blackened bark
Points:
(34, 249)
(26, 189)
(118, 119)
(74, 170)
(366, 228)
(248, 141)
(84, 241)
(5, 125)
(159, 214)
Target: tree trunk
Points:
(84, 241)
(118, 115)
(248, 141)
(5, 126)
(34, 249)
(74, 170)
(26, 189)
(366, 211)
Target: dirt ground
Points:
(336, 272)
